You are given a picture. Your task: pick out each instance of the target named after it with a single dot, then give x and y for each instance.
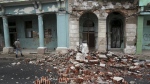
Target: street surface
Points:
(21, 73)
(66, 69)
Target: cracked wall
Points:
(29, 9)
(102, 10)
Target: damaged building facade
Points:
(103, 24)
(38, 24)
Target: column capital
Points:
(61, 12)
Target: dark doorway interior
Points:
(88, 33)
(116, 33)
(12, 32)
(92, 40)
(13, 37)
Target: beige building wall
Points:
(102, 10)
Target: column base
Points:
(62, 50)
(41, 50)
(8, 50)
(130, 50)
(101, 48)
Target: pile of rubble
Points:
(76, 67)
(95, 67)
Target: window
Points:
(148, 22)
(28, 29)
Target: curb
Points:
(16, 59)
(9, 59)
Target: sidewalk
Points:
(32, 54)
(28, 54)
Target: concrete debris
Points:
(148, 65)
(117, 79)
(102, 65)
(132, 82)
(18, 63)
(80, 57)
(28, 78)
(76, 67)
(13, 63)
(85, 49)
(102, 56)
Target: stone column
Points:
(130, 37)
(41, 49)
(73, 33)
(102, 34)
(62, 28)
(7, 48)
(139, 35)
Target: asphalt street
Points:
(23, 73)
(20, 72)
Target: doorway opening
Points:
(12, 33)
(88, 31)
(115, 31)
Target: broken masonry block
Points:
(102, 56)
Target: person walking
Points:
(18, 48)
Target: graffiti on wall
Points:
(146, 37)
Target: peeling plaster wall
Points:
(74, 24)
(7, 1)
(25, 42)
(130, 38)
(53, 7)
(73, 37)
(130, 35)
(77, 8)
(19, 10)
(26, 11)
(29, 9)
(49, 23)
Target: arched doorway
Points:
(115, 31)
(88, 29)
(88, 33)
